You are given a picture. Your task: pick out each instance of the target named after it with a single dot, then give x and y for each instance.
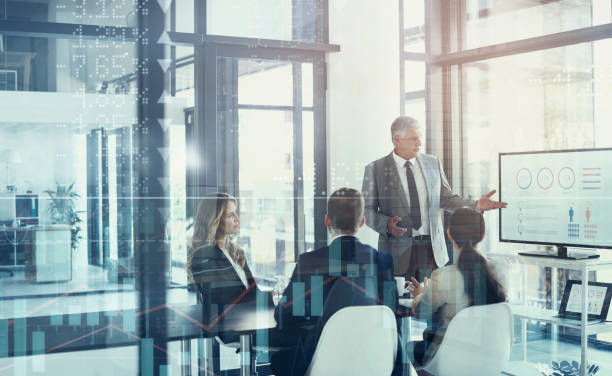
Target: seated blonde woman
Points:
(215, 263)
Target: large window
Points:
(412, 60)
(267, 106)
(520, 76)
(491, 22)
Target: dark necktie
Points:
(415, 207)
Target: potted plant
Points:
(61, 210)
(566, 368)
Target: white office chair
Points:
(478, 341)
(356, 341)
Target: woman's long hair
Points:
(467, 228)
(207, 226)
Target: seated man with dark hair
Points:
(303, 309)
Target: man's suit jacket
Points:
(215, 275)
(385, 198)
(301, 315)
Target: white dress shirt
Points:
(421, 187)
(239, 270)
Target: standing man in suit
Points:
(304, 308)
(405, 193)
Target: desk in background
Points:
(45, 251)
(13, 242)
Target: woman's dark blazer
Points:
(217, 279)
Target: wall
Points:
(363, 89)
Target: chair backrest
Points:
(357, 341)
(478, 340)
(346, 293)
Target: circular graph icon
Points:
(523, 178)
(567, 178)
(545, 178)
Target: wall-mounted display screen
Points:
(559, 197)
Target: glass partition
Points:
(67, 250)
(95, 174)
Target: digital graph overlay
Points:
(196, 321)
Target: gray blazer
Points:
(385, 198)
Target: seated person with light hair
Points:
(215, 263)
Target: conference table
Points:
(90, 330)
(52, 334)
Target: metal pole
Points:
(186, 357)
(152, 205)
(205, 356)
(583, 321)
(523, 320)
(554, 334)
(245, 354)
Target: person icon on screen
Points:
(571, 214)
(588, 215)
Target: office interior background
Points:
(129, 111)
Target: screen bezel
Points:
(559, 244)
(571, 284)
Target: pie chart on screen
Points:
(545, 178)
(523, 178)
(567, 178)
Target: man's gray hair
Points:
(402, 124)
